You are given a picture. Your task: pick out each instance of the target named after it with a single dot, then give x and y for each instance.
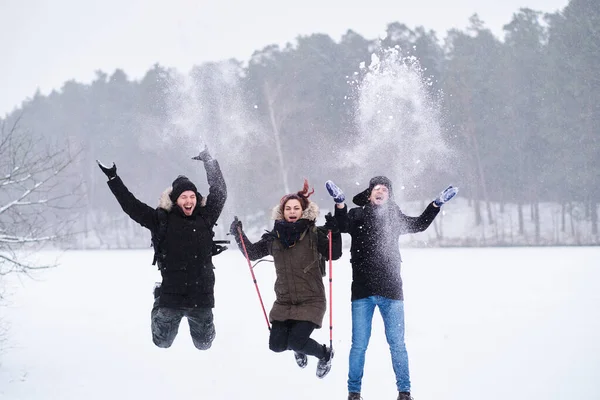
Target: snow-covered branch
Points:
(37, 196)
(8, 179)
(25, 239)
(19, 200)
(11, 264)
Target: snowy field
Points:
(482, 324)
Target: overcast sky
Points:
(47, 42)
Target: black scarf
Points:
(289, 233)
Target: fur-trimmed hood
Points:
(166, 204)
(311, 212)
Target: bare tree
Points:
(36, 206)
(36, 198)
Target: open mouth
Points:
(292, 218)
(188, 208)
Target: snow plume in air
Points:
(208, 108)
(400, 133)
(204, 107)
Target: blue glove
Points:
(335, 192)
(446, 195)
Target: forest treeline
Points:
(518, 118)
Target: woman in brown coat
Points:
(299, 249)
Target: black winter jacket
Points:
(188, 277)
(375, 252)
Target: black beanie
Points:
(180, 185)
(362, 198)
(381, 180)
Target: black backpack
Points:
(159, 235)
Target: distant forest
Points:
(516, 121)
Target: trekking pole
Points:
(253, 276)
(330, 293)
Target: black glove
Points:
(218, 249)
(331, 223)
(233, 229)
(111, 172)
(204, 155)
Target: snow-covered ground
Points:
(482, 324)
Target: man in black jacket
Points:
(375, 226)
(182, 228)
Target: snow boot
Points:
(354, 396)
(404, 396)
(301, 359)
(324, 365)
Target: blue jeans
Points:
(392, 312)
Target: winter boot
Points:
(354, 396)
(301, 359)
(324, 365)
(404, 396)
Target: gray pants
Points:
(165, 325)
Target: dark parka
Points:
(188, 277)
(375, 252)
(299, 290)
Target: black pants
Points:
(166, 320)
(295, 335)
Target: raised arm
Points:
(256, 250)
(342, 219)
(420, 223)
(217, 191)
(341, 211)
(140, 212)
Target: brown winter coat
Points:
(299, 289)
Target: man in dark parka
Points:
(186, 221)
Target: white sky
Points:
(45, 43)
